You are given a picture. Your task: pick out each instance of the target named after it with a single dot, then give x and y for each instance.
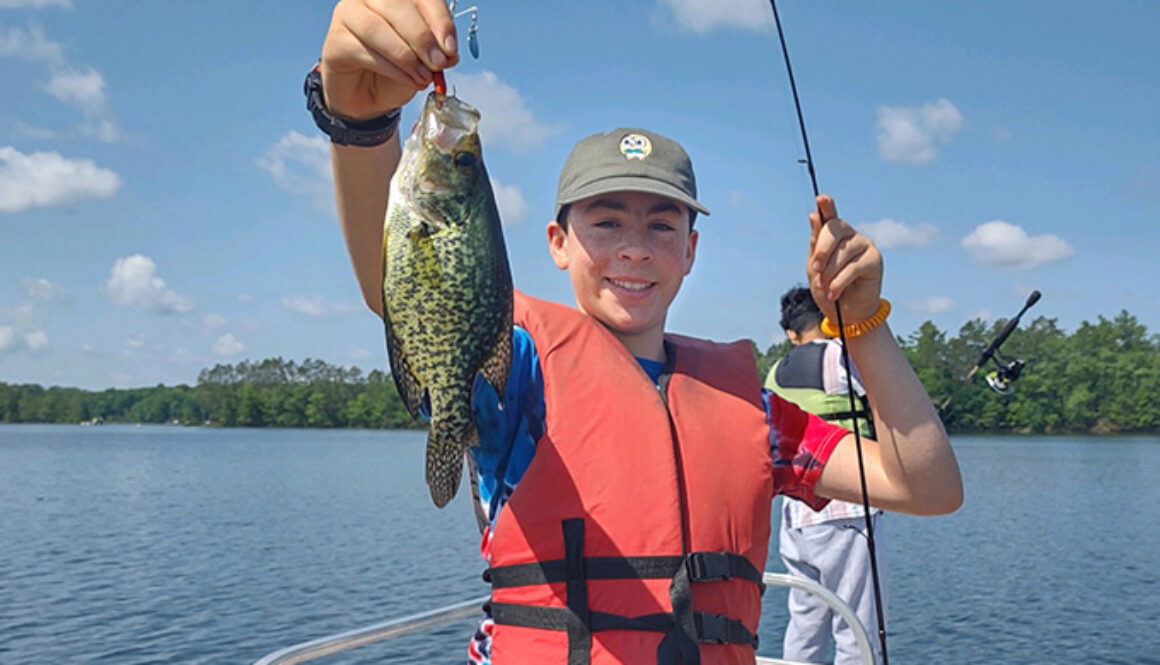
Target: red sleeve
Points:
(801, 445)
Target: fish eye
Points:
(465, 160)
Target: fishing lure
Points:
(472, 41)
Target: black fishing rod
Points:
(1009, 369)
(809, 161)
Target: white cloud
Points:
(39, 288)
(25, 130)
(1001, 135)
(888, 233)
(1001, 244)
(45, 179)
(932, 305)
(29, 44)
(245, 298)
(909, 134)
(135, 342)
(510, 201)
(702, 16)
(13, 339)
(228, 345)
(82, 88)
(33, 4)
(505, 120)
(316, 306)
(85, 91)
(211, 321)
(134, 282)
(301, 165)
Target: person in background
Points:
(827, 546)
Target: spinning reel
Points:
(1007, 371)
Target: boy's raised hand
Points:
(379, 53)
(842, 264)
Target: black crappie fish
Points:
(447, 287)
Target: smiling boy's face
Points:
(626, 254)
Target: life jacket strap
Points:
(703, 567)
(683, 628)
(710, 628)
(578, 621)
(845, 415)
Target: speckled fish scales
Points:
(447, 287)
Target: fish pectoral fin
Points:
(410, 388)
(426, 228)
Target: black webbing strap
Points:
(679, 645)
(703, 567)
(682, 629)
(710, 628)
(845, 415)
(576, 587)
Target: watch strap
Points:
(361, 133)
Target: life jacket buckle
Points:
(713, 628)
(710, 566)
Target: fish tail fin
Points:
(445, 461)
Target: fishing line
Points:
(809, 161)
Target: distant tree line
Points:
(1102, 378)
(270, 393)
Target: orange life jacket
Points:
(639, 531)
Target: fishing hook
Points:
(472, 41)
(809, 162)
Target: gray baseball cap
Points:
(628, 159)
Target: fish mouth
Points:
(447, 120)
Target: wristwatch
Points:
(361, 133)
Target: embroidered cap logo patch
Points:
(635, 146)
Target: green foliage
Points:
(1105, 377)
(270, 393)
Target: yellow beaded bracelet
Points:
(861, 327)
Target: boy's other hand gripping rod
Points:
(809, 161)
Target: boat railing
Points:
(387, 630)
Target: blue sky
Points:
(165, 199)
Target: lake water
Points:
(132, 545)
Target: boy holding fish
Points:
(646, 462)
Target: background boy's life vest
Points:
(798, 377)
